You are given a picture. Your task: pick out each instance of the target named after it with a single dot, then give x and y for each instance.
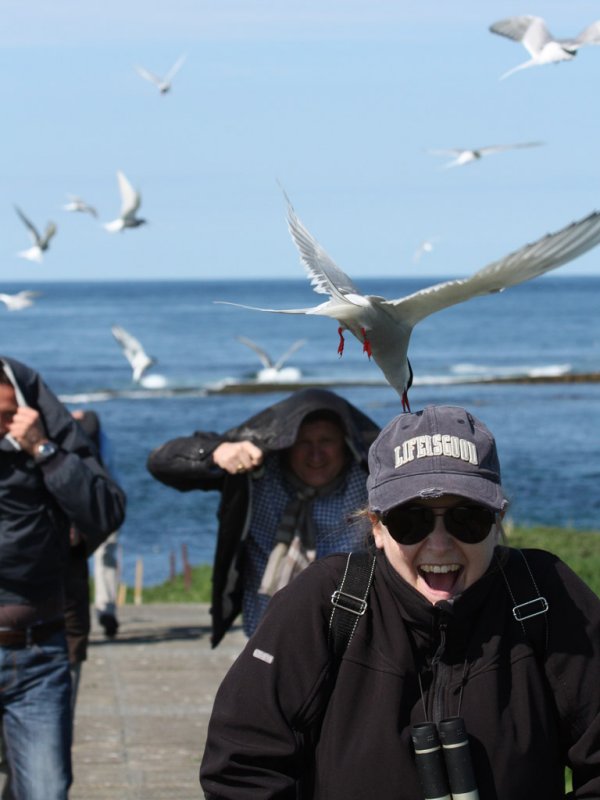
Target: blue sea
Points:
(548, 433)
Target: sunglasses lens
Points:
(409, 524)
(469, 524)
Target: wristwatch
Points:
(44, 451)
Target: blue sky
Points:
(338, 100)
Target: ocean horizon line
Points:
(548, 277)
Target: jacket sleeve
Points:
(79, 484)
(271, 695)
(186, 463)
(85, 493)
(572, 667)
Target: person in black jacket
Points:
(290, 478)
(50, 478)
(457, 625)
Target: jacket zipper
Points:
(440, 674)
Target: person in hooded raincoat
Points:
(290, 479)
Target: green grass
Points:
(175, 591)
(579, 549)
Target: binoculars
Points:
(443, 760)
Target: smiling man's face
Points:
(440, 566)
(318, 454)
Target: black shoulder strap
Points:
(349, 601)
(530, 608)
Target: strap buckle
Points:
(539, 603)
(356, 605)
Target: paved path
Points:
(144, 703)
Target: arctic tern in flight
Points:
(543, 48)
(162, 84)
(19, 300)
(133, 351)
(40, 243)
(462, 156)
(384, 326)
(78, 205)
(130, 202)
(274, 371)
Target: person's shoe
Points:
(110, 624)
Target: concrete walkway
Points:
(144, 703)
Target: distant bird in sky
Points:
(426, 246)
(162, 84)
(77, 204)
(464, 156)
(133, 351)
(543, 48)
(130, 202)
(384, 326)
(19, 300)
(274, 371)
(41, 243)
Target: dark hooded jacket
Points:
(529, 693)
(186, 463)
(38, 502)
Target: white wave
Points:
(87, 397)
(487, 371)
(283, 375)
(133, 394)
(443, 380)
(153, 381)
(549, 372)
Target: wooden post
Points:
(122, 595)
(187, 570)
(139, 580)
(121, 587)
(172, 568)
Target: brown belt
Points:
(36, 634)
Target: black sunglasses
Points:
(411, 524)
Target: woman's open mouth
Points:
(440, 577)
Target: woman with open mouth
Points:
(439, 663)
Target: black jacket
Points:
(186, 463)
(530, 706)
(38, 502)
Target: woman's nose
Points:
(439, 536)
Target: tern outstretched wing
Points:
(532, 260)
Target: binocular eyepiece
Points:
(443, 760)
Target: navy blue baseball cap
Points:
(439, 450)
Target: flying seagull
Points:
(133, 351)
(130, 202)
(162, 84)
(274, 371)
(384, 326)
(41, 243)
(18, 301)
(539, 42)
(462, 156)
(77, 204)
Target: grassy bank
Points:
(579, 549)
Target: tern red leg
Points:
(341, 344)
(405, 403)
(366, 343)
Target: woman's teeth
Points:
(443, 568)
